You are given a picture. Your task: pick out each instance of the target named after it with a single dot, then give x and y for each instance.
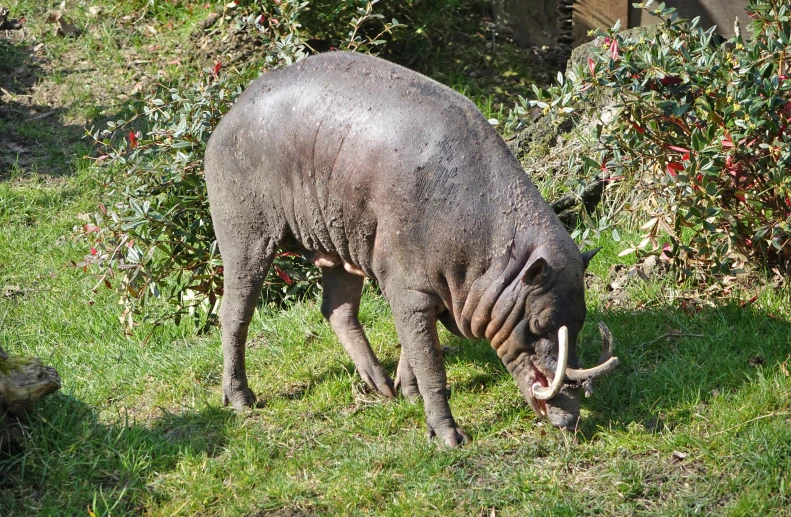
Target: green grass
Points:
(685, 425)
(138, 427)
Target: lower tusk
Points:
(542, 393)
(573, 374)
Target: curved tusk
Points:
(606, 343)
(542, 393)
(573, 374)
(607, 362)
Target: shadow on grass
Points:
(71, 457)
(671, 363)
(674, 363)
(33, 137)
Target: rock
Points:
(23, 381)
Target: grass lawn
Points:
(696, 420)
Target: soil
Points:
(217, 40)
(40, 135)
(614, 291)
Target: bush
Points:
(156, 239)
(703, 126)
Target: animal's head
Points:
(540, 351)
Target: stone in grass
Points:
(23, 381)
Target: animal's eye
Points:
(535, 328)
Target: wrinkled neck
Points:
(496, 299)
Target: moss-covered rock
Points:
(23, 381)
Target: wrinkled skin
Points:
(370, 169)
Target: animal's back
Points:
(347, 153)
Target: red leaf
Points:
(288, 254)
(672, 167)
(282, 274)
(677, 148)
(727, 142)
(217, 67)
(750, 301)
(132, 140)
(637, 128)
(614, 50)
(670, 80)
(592, 66)
(666, 249)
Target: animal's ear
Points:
(588, 255)
(537, 273)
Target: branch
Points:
(590, 198)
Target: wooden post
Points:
(590, 14)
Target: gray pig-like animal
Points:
(370, 169)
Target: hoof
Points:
(406, 382)
(452, 436)
(239, 399)
(380, 382)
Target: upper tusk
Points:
(542, 393)
(606, 343)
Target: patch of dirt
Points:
(614, 290)
(36, 135)
(51, 90)
(217, 39)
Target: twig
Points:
(669, 335)
(768, 415)
(43, 115)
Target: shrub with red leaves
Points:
(704, 129)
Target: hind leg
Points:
(245, 268)
(340, 305)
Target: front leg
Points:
(415, 316)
